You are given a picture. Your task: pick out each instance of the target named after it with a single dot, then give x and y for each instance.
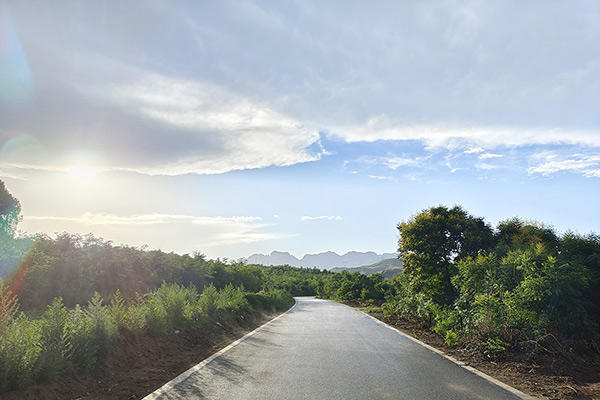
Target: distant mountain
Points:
(326, 260)
(388, 268)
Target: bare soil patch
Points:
(136, 366)
(544, 376)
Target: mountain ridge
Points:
(388, 268)
(326, 260)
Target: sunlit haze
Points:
(233, 128)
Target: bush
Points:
(19, 352)
(54, 340)
(180, 304)
(83, 350)
(451, 338)
(276, 299)
(231, 301)
(208, 300)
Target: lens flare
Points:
(15, 75)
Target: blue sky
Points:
(240, 127)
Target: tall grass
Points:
(38, 349)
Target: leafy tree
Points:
(433, 241)
(12, 249)
(10, 212)
(515, 233)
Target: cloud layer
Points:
(157, 230)
(169, 90)
(321, 218)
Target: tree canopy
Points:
(433, 241)
(10, 211)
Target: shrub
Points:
(208, 300)
(231, 300)
(155, 316)
(83, 349)
(19, 352)
(277, 299)
(54, 340)
(103, 329)
(178, 302)
(493, 347)
(451, 338)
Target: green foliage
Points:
(296, 281)
(492, 347)
(277, 299)
(19, 352)
(433, 241)
(54, 341)
(36, 350)
(346, 286)
(516, 285)
(84, 351)
(10, 212)
(74, 267)
(451, 338)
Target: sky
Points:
(231, 128)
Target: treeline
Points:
(72, 296)
(493, 289)
(75, 267)
(65, 300)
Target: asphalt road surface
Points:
(325, 350)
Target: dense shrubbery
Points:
(493, 289)
(346, 286)
(75, 267)
(527, 283)
(38, 349)
(53, 316)
(297, 281)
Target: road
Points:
(325, 350)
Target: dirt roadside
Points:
(540, 377)
(136, 366)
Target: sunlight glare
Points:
(82, 173)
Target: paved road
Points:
(325, 350)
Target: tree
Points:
(10, 211)
(433, 241)
(515, 233)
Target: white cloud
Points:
(592, 173)
(486, 156)
(486, 166)
(474, 150)
(550, 163)
(475, 138)
(172, 231)
(321, 218)
(253, 134)
(381, 177)
(391, 162)
(145, 219)
(397, 162)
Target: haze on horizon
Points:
(234, 128)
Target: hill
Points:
(325, 260)
(388, 268)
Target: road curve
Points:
(325, 350)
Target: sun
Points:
(82, 173)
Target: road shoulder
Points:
(524, 377)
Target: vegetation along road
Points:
(326, 350)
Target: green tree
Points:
(10, 212)
(515, 233)
(433, 241)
